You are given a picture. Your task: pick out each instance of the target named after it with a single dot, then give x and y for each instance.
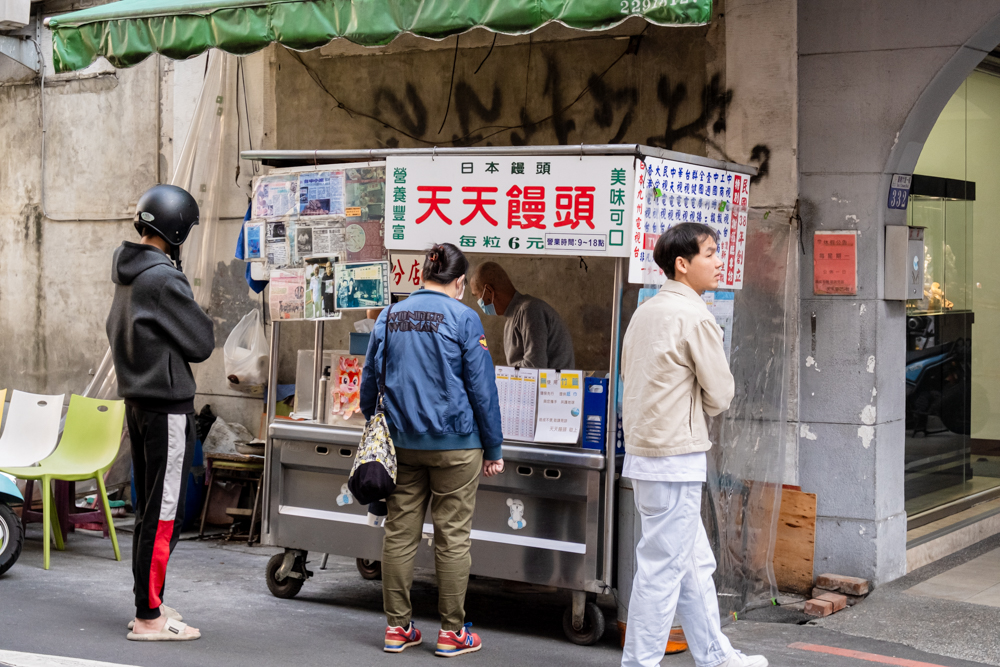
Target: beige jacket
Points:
(674, 369)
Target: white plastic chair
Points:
(31, 431)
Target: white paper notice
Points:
(518, 390)
(560, 404)
(720, 304)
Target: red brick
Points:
(836, 599)
(851, 599)
(842, 584)
(819, 608)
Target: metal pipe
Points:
(272, 401)
(610, 519)
(584, 149)
(317, 368)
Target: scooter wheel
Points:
(593, 625)
(11, 538)
(370, 569)
(288, 587)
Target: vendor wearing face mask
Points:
(534, 336)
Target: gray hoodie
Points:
(156, 329)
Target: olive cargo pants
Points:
(448, 481)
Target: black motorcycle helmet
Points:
(168, 211)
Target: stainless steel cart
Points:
(569, 538)
(564, 490)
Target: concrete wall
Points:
(637, 83)
(762, 71)
(873, 77)
(110, 135)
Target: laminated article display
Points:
(307, 220)
(254, 238)
(275, 196)
(320, 293)
(518, 392)
(362, 285)
(510, 204)
(667, 192)
(287, 294)
(321, 193)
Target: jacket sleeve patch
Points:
(482, 342)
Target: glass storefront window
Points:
(947, 253)
(953, 333)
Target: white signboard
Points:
(556, 205)
(405, 272)
(666, 193)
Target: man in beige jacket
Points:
(675, 370)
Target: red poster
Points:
(835, 263)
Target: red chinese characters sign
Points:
(404, 272)
(510, 204)
(835, 263)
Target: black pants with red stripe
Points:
(162, 449)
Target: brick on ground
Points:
(842, 584)
(836, 599)
(818, 607)
(851, 599)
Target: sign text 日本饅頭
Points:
(553, 205)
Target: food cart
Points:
(596, 200)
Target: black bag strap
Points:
(385, 357)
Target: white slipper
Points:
(164, 611)
(172, 631)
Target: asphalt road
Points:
(80, 607)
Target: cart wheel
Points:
(286, 588)
(11, 537)
(370, 569)
(593, 625)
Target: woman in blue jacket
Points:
(444, 417)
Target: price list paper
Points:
(518, 391)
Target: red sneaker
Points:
(397, 638)
(451, 643)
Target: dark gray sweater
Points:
(534, 336)
(156, 329)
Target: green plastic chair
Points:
(89, 445)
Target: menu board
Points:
(667, 193)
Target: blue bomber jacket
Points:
(440, 385)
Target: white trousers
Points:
(673, 573)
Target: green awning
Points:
(128, 31)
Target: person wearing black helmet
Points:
(156, 330)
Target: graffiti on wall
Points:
(609, 108)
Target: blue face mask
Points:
(488, 309)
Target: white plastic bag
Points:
(245, 354)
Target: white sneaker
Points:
(738, 659)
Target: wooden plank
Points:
(795, 542)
